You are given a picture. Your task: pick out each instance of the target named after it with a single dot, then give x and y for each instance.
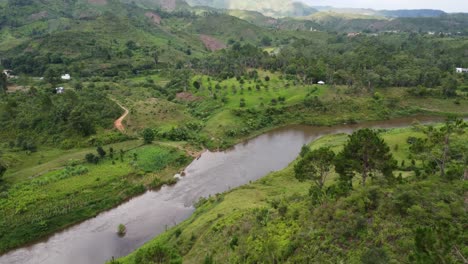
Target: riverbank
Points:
(274, 219)
(212, 173)
(35, 208)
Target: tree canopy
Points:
(365, 153)
(315, 166)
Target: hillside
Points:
(283, 220)
(412, 13)
(351, 22)
(110, 38)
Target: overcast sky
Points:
(446, 5)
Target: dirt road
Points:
(118, 123)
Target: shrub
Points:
(121, 230)
(148, 135)
(91, 158)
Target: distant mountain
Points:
(273, 8)
(384, 13)
(354, 22)
(412, 13)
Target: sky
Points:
(446, 5)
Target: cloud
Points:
(446, 5)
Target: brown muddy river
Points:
(95, 240)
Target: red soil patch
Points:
(154, 17)
(118, 123)
(186, 96)
(98, 2)
(212, 43)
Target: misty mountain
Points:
(274, 8)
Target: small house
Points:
(321, 83)
(8, 74)
(59, 90)
(353, 34)
(462, 70)
(66, 77)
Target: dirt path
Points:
(118, 123)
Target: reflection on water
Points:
(95, 240)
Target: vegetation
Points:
(195, 78)
(121, 230)
(66, 190)
(280, 219)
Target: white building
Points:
(462, 70)
(60, 90)
(321, 83)
(66, 77)
(8, 74)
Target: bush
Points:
(158, 253)
(91, 158)
(148, 135)
(121, 230)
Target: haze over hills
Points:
(275, 8)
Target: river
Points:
(145, 216)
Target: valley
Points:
(170, 131)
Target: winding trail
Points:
(118, 123)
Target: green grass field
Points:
(52, 190)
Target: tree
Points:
(3, 82)
(91, 158)
(196, 84)
(156, 57)
(3, 169)
(437, 146)
(315, 166)
(111, 153)
(365, 153)
(242, 102)
(148, 135)
(122, 153)
(102, 153)
(52, 75)
(304, 150)
(449, 86)
(78, 86)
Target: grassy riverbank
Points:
(52, 189)
(274, 218)
(43, 191)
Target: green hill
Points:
(418, 218)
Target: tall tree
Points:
(3, 169)
(148, 135)
(3, 82)
(449, 86)
(437, 146)
(365, 153)
(102, 153)
(315, 166)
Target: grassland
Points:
(51, 189)
(273, 218)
